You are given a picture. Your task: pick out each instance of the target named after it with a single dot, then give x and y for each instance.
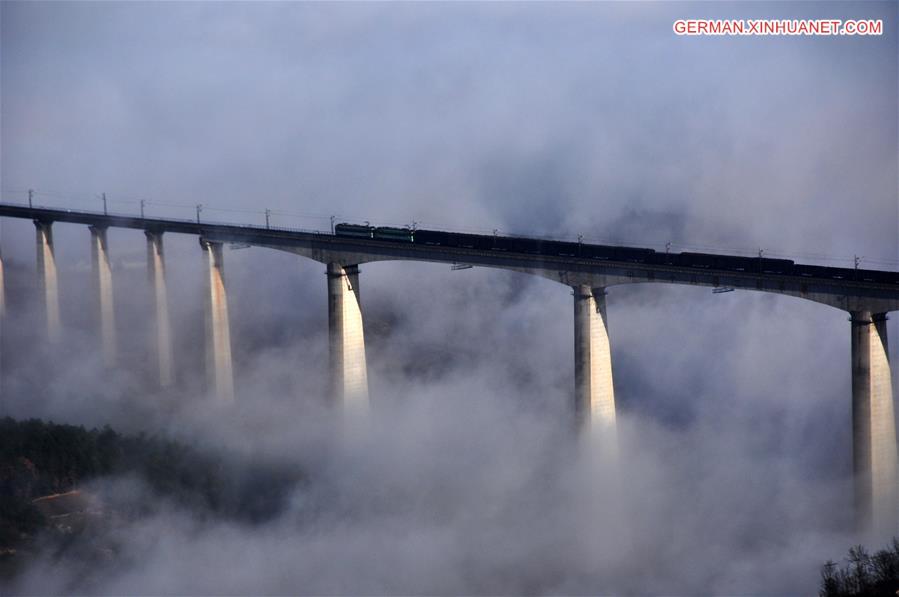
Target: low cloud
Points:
(588, 119)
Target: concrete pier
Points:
(163, 330)
(349, 376)
(874, 451)
(594, 394)
(47, 280)
(2, 289)
(103, 277)
(218, 330)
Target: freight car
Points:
(612, 253)
(378, 233)
(455, 240)
(862, 275)
(732, 263)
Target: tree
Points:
(864, 574)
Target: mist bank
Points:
(474, 495)
(467, 476)
(594, 119)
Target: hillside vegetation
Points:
(43, 465)
(864, 574)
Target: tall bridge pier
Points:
(218, 329)
(47, 279)
(348, 370)
(103, 277)
(594, 393)
(874, 453)
(162, 340)
(2, 289)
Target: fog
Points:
(734, 459)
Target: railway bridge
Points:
(867, 295)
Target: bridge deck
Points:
(845, 288)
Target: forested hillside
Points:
(40, 459)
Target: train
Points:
(555, 248)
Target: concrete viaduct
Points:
(867, 301)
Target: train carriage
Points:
(405, 235)
(354, 230)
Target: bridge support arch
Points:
(163, 331)
(218, 330)
(47, 279)
(594, 393)
(874, 450)
(347, 366)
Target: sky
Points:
(537, 118)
